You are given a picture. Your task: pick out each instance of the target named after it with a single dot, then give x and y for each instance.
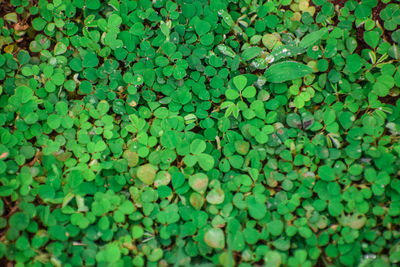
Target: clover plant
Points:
(199, 133)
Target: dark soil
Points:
(9, 209)
(24, 22)
(376, 17)
(377, 10)
(360, 31)
(387, 36)
(6, 8)
(317, 8)
(340, 3)
(390, 100)
(22, 43)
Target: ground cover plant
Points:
(199, 133)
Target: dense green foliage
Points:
(211, 133)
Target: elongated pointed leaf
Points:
(285, 51)
(251, 53)
(286, 71)
(312, 38)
